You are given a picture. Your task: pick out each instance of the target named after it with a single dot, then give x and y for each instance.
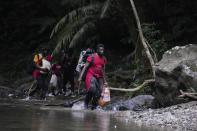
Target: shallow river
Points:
(28, 118)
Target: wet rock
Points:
(177, 70)
(137, 103)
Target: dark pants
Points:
(41, 85)
(94, 93)
(68, 76)
(59, 82)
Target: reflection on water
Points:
(20, 118)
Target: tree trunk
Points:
(142, 37)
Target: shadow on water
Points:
(28, 118)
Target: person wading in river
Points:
(95, 76)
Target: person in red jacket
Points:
(95, 77)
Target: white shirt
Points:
(45, 65)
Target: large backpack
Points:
(82, 59)
(87, 53)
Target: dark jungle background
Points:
(26, 26)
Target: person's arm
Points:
(80, 58)
(40, 67)
(83, 71)
(104, 74)
(45, 67)
(37, 66)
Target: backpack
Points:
(87, 53)
(82, 59)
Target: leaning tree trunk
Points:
(142, 37)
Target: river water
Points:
(30, 118)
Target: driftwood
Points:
(134, 89)
(190, 95)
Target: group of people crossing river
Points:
(52, 77)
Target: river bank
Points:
(178, 117)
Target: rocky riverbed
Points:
(178, 117)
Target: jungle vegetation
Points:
(27, 26)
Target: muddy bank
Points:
(179, 117)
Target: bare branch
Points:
(134, 89)
(154, 54)
(190, 95)
(142, 37)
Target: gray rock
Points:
(137, 103)
(177, 70)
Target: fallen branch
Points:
(134, 89)
(192, 89)
(190, 95)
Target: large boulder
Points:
(176, 70)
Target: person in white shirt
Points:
(44, 72)
(46, 66)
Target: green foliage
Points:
(78, 27)
(153, 36)
(74, 28)
(75, 15)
